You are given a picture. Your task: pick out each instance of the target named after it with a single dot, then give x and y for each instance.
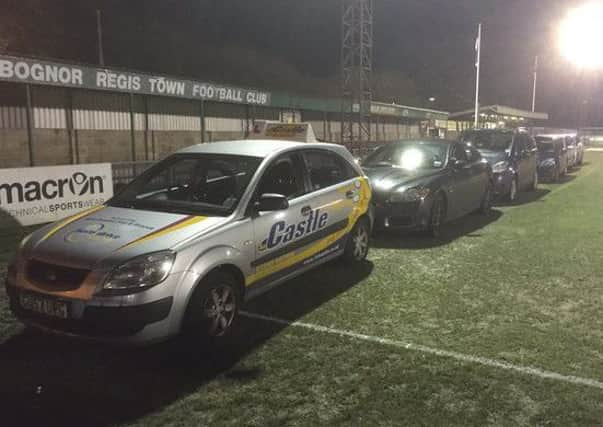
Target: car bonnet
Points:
(386, 178)
(86, 239)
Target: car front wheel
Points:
(437, 217)
(213, 309)
(486, 203)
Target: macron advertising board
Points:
(38, 195)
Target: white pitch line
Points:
(466, 358)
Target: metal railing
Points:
(125, 172)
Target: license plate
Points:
(44, 305)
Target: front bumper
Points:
(502, 183)
(141, 318)
(402, 216)
(96, 321)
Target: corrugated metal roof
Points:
(503, 111)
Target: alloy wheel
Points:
(360, 240)
(437, 214)
(513, 190)
(220, 308)
(487, 200)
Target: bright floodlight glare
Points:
(411, 159)
(580, 36)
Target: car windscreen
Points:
(194, 184)
(490, 141)
(409, 156)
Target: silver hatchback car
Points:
(185, 244)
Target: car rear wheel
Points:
(534, 183)
(437, 217)
(213, 309)
(357, 247)
(512, 191)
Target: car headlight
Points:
(500, 167)
(409, 195)
(141, 272)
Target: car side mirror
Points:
(271, 202)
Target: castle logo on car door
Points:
(281, 232)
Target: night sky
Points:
(424, 48)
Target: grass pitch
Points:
(522, 285)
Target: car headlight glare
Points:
(500, 167)
(141, 272)
(409, 195)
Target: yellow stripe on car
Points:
(69, 220)
(293, 258)
(186, 222)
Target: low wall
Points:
(13, 148)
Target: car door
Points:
(572, 150)
(335, 190)
(520, 161)
(272, 233)
(563, 158)
(531, 154)
(480, 177)
(321, 196)
(460, 191)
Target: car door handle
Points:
(306, 210)
(350, 194)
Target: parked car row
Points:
(179, 250)
(558, 154)
(513, 156)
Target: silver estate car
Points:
(184, 245)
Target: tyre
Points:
(357, 246)
(534, 183)
(213, 309)
(486, 203)
(512, 195)
(437, 216)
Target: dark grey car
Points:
(513, 156)
(552, 157)
(420, 184)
